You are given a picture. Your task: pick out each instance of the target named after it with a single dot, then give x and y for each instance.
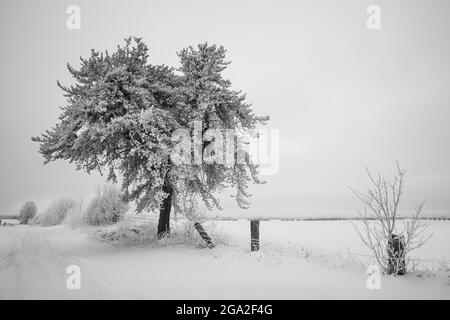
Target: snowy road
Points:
(33, 268)
(34, 260)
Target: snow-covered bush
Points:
(57, 212)
(107, 207)
(76, 218)
(27, 212)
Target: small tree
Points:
(27, 212)
(122, 114)
(389, 243)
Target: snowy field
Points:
(335, 236)
(295, 262)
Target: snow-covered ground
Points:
(33, 263)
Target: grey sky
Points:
(343, 96)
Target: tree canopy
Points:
(122, 113)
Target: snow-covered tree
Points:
(28, 211)
(121, 116)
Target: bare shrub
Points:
(389, 241)
(57, 212)
(27, 212)
(108, 207)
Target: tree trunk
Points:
(164, 213)
(396, 255)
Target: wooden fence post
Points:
(254, 235)
(204, 235)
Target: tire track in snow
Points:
(31, 268)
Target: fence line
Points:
(349, 253)
(249, 240)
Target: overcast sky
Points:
(343, 96)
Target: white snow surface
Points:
(33, 263)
